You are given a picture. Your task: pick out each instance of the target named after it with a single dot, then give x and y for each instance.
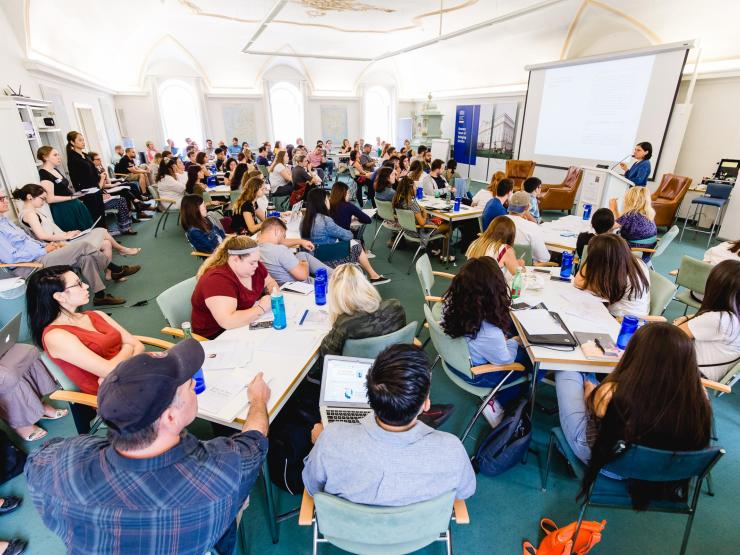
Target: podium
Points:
(598, 186)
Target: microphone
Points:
(622, 160)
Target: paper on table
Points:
(539, 322)
(225, 395)
(299, 343)
(226, 354)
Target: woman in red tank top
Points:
(85, 345)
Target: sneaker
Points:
(380, 280)
(125, 271)
(493, 413)
(108, 299)
(436, 415)
(370, 254)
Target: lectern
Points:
(598, 186)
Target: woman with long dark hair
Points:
(248, 216)
(194, 184)
(237, 178)
(653, 398)
(203, 230)
(84, 176)
(385, 181)
(405, 199)
(342, 210)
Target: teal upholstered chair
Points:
(381, 530)
(388, 218)
(525, 252)
(174, 303)
(693, 275)
(414, 234)
(370, 347)
(661, 293)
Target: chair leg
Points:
(477, 414)
(413, 258)
(710, 485)
(581, 516)
(315, 536)
(377, 232)
(395, 245)
(449, 540)
(550, 448)
(159, 222)
(687, 532)
(166, 216)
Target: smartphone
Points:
(260, 325)
(558, 278)
(520, 306)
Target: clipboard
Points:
(564, 339)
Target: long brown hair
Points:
(495, 178)
(734, 245)
(404, 192)
(248, 194)
(501, 231)
(71, 138)
(337, 196)
(279, 159)
(416, 170)
(722, 292)
(611, 271)
(657, 400)
(190, 213)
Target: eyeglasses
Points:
(78, 284)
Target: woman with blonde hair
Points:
(233, 288)
(637, 221)
(482, 197)
(248, 217)
(498, 242)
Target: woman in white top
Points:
(497, 242)
(729, 250)
(611, 272)
(715, 328)
(482, 197)
(280, 176)
(168, 184)
(180, 174)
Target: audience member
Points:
(262, 156)
(728, 250)
(68, 212)
(346, 147)
(238, 176)
(220, 155)
(385, 181)
(637, 221)
(194, 185)
(84, 177)
(497, 241)
(280, 176)
(168, 185)
(365, 159)
(361, 178)
(482, 197)
(234, 147)
(277, 256)
(203, 229)
(209, 150)
(247, 217)
(150, 151)
(416, 172)
(405, 199)
(602, 220)
(127, 166)
(527, 232)
(450, 172)
(434, 184)
(342, 210)
(317, 160)
(118, 153)
(533, 187)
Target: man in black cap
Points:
(150, 487)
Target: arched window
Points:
(378, 114)
(286, 105)
(180, 111)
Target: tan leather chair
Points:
(562, 196)
(668, 197)
(518, 171)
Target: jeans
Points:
(573, 412)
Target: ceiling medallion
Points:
(320, 7)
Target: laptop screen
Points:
(344, 380)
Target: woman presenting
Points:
(640, 170)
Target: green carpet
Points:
(504, 511)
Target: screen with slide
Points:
(595, 112)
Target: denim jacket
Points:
(326, 231)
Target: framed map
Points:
(240, 121)
(334, 123)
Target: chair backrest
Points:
(264, 171)
(385, 210)
(406, 220)
(573, 177)
(58, 373)
(661, 292)
(453, 352)
(175, 302)
(693, 274)
(525, 252)
(424, 271)
(666, 240)
(656, 465)
(732, 375)
(719, 190)
(234, 195)
(371, 347)
(672, 188)
(380, 530)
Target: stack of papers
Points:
(539, 322)
(300, 287)
(225, 396)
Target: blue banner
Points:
(466, 133)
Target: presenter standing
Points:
(640, 170)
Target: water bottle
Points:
(516, 284)
(278, 309)
(200, 380)
(587, 212)
(629, 326)
(566, 266)
(211, 181)
(457, 204)
(321, 286)
(420, 192)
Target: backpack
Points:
(507, 443)
(559, 541)
(298, 193)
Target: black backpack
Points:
(507, 443)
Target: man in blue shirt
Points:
(150, 486)
(234, 148)
(495, 206)
(262, 156)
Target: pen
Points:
(599, 345)
(305, 313)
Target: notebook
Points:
(543, 327)
(605, 349)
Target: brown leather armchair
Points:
(561, 196)
(668, 197)
(518, 171)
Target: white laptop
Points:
(344, 390)
(86, 231)
(9, 334)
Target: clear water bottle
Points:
(628, 329)
(321, 286)
(278, 309)
(200, 380)
(517, 284)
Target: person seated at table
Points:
(342, 210)
(168, 184)
(434, 183)
(533, 187)
(262, 157)
(203, 229)
(318, 227)
(405, 199)
(637, 222)
(497, 205)
(640, 170)
(346, 147)
(486, 194)
(228, 168)
(276, 254)
(233, 288)
(234, 148)
(201, 159)
(527, 231)
(497, 241)
(150, 486)
(729, 250)
(611, 272)
(476, 307)
(317, 159)
(602, 220)
(654, 398)
(280, 176)
(24, 382)
(416, 172)
(238, 177)
(373, 463)
(191, 152)
(366, 159)
(247, 216)
(220, 159)
(450, 171)
(385, 181)
(85, 345)
(715, 328)
(194, 185)
(300, 172)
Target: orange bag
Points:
(559, 541)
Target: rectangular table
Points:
(562, 234)
(440, 208)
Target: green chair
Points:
(370, 347)
(387, 217)
(455, 354)
(692, 275)
(411, 232)
(636, 462)
(664, 241)
(372, 530)
(265, 172)
(661, 293)
(427, 279)
(174, 303)
(168, 206)
(525, 252)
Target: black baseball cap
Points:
(139, 389)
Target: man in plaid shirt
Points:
(150, 487)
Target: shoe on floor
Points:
(15, 547)
(380, 280)
(10, 504)
(125, 271)
(108, 299)
(436, 415)
(370, 254)
(493, 413)
(447, 258)
(143, 217)
(436, 252)
(130, 232)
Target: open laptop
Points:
(86, 231)
(9, 334)
(343, 389)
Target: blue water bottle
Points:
(420, 192)
(278, 309)
(200, 380)
(566, 266)
(211, 181)
(457, 204)
(587, 212)
(629, 326)
(320, 286)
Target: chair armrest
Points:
(640, 249)
(709, 384)
(460, 512)
(416, 342)
(486, 368)
(75, 397)
(23, 265)
(177, 332)
(154, 342)
(673, 272)
(443, 274)
(545, 264)
(305, 516)
(199, 254)
(433, 299)
(166, 199)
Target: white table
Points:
(441, 208)
(562, 234)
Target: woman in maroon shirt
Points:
(233, 288)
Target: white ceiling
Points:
(118, 44)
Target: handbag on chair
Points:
(559, 541)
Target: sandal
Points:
(36, 435)
(137, 249)
(58, 413)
